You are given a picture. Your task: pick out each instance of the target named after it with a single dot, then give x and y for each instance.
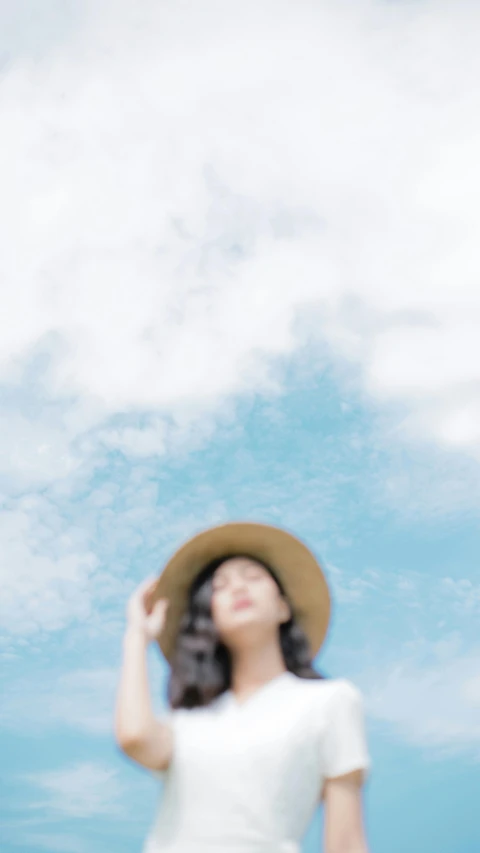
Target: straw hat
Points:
(293, 563)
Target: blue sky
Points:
(247, 294)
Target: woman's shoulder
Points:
(325, 693)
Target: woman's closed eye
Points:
(220, 582)
(253, 573)
(250, 573)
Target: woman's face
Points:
(246, 602)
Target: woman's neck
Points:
(253, 667)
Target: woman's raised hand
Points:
(145, 615)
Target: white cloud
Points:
(185, 199)
(434, 705)
(180, 191)
(351, 590)
(70, 562)
(57, 841)
(45, 568)
(84, 790)
(29, 30)
(80, 700)
(463, 594)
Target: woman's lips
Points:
(242, 603)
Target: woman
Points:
(254, 737)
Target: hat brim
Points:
(292, 562)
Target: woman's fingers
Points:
(144, 610)
(156, 619)
(149, 596)
(138, 601)
(148, 585)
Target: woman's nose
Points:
(239, 585)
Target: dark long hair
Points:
(201, 666)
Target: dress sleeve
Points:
(345, 744)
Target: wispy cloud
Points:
(44, 569)
(433, 705)
(57, 842)
(82, 700)
(464, 594)
(351, 590)
(84, 790)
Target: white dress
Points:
(247, 777)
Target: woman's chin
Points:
(245, 626)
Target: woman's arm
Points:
(344, 831)
(346, 766)
(137, 732)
